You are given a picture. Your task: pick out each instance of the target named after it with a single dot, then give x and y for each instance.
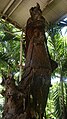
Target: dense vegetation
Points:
(10, 60)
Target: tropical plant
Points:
(57, 46)
(9, 46)
(55, 106)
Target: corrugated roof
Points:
(17, 11)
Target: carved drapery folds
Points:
(29, 98)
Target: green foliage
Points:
(1, 102)
(9, 47)
(57, 45)
(55, 106)
(57, 100)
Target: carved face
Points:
(35, 12)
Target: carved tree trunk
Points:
(28, 99)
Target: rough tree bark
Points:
(28, 99)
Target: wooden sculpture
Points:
(29, 98)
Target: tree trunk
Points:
(28, 99)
